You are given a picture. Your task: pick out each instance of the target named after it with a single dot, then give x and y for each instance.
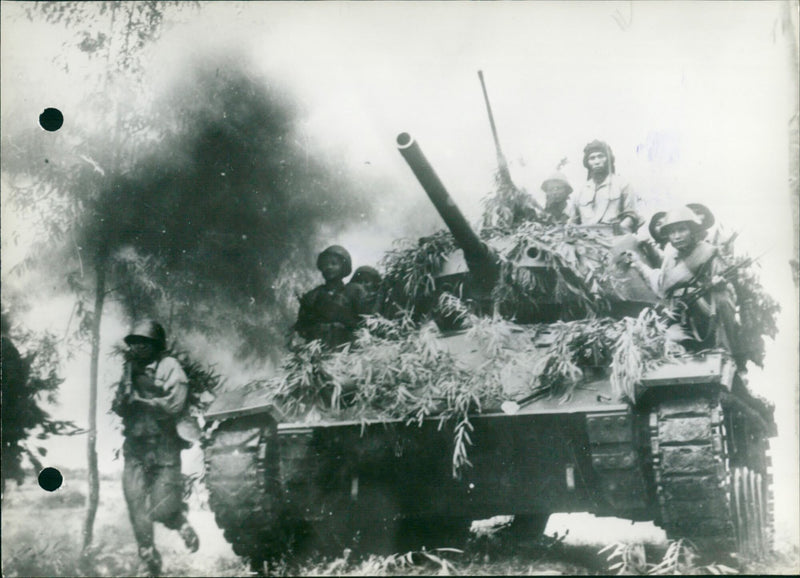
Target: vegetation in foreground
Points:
(41, 537)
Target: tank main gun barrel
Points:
(480, 259)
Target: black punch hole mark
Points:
(51, 119)
(50, 479)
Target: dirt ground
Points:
(41, 536)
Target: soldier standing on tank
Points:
(557, 190)
(691, 273)
(150, 399)
(370, 280)
(331, 312)
(606, 198)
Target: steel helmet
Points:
(685, 215)
(655, 226)
(557, 177)
(706, 217)
(340, 252)
(150, 330)
(366, 273)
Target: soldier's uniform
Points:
(557, 191)
(151, 479)
(369, 278)
(331, 312)
(609, 201)
(711, 318)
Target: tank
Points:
(686, 447)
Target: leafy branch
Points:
(396, 370)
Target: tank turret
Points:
(482, 261)
(552, 287)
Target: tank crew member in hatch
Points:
(557, 190)
(150, 399)
(331, 312)
(606, 198)
(369, 278)
(692, 263)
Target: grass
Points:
(41, 536)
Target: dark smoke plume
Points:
(229, 205)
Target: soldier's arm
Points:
(629, 211)
(651, 275)
(573, 214)
(175, 385)
(305, 315)
(122, 398)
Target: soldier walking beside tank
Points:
(693, 273)
(606, 198)
(331, 312)
(151, 396)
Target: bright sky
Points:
(693, 97)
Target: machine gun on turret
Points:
(502, 164)
(523, 206)
(482, 261)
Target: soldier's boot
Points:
(150, 561)
(189, 537)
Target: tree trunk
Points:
(93, 475)
(91, 449)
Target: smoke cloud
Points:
(230, 205)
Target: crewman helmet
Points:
(598, 146)
(340, 252)
(149, 330)
(366, 274)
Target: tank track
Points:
(716, 495)
(239, 491)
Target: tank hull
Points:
(690, 455)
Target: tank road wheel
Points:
(711, 487)
(240, 494)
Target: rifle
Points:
(124, 391)
(727, 275)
